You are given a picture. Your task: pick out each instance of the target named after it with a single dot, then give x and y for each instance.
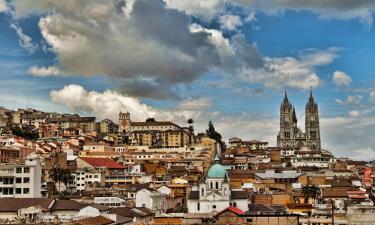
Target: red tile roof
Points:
(102, 162)
(233, 209)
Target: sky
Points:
(228, 61)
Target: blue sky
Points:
(240, 92)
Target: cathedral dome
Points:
(217, 171)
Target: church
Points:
(290, 135)
(215, 194)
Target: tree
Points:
(150, 120)
(312, 191)
(59, 175)
(191, 129)
(213, 134)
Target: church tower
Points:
(124, 122)
(312, 124)
(288, 124)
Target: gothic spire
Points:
(294, 116)
(311, 99)
(286, 97)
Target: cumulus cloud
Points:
(45, 71)
(116, 39)
(340, 78)
(109, 103)
(230, 22)
(207, 9)
(291, 72)
(23, 40)
(347, 136)
(3, 6)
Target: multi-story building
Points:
(84, 179)
(108, 126)
(290, 134)
(74, 121)
(21, 180)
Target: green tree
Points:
(59, 175)
(312, 191)
(191, 130)
(213, 134)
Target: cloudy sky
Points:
(228, 61)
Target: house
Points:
(98, 163)
(140, 215)
(38, 209)
(152, 199)
(229, 216)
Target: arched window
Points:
(211, 185)
(198, 206)
(202, 191)
(217, 185)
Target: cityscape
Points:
(166, 112)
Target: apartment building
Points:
(21, 180)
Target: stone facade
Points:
(290, 134)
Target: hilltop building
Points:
(290, 134)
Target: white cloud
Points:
(340, 78)
(230, 22)
(351, 100)
(372, 96)
(291, 72)
(195, 104)
(3, 6)
(24, 40)
(216, 38)
(119, 41)
(206, 9)
(45, 71)
(109, 103)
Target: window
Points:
(198, 206)
(26, 170)
(217, 185)
(26, 190)
(18, 190)
(287, 134)
(96, 176)
(18, 180)
(18, 170)
(214, 206)
(26, 180)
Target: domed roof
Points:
(217, 171)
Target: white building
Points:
(87, 178)
(215, 193)
(152, 199)
(21, 181)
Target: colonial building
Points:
(292, 136)
(215, 195)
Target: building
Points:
(124, 122)
(9, 154)
(215, 195)
(107, 126)
(21, 181)
(151, 199)
(292, 136)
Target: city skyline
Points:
(228, 62)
